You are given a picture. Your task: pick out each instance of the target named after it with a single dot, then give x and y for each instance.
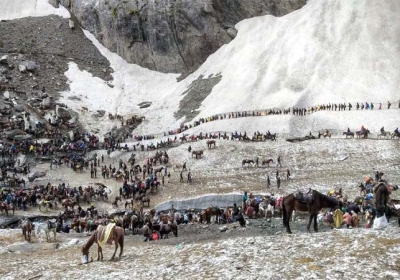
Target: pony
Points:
(145, 200)
(267, 161)
(26, 227)
(47, 227)
(315, 202)
(158, 170)
(381, 198)
(4, 206)
(198, 154)
(363, 134)
(209, 212)
(116, 235)
(211, 144)
(248, 161)
(384, 134)
(349, 134)
(394, 135)
(166, 229)
(68, 203)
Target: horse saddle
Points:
(304, 196)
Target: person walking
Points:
(287, 174)
(189, 177)
(389, 104)
(278, 162)
(278, 182)
(181, 174)
(268, 182)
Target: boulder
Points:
(12, 133)
(232, 32)
(6, 95)
(28, 65)
(55, 3)
(23, 137)
(63, 113)
(4, 60)
(19, 108)
(22, 68)
(33, 175)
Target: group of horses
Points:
(266, 162)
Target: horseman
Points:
(396, 131)
(348, 131)
(362, 130)
(382, 130)
(326, 133)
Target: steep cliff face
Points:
(170, 35)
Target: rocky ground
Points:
(51, 45)
(262, 249)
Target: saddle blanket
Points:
(103, 234)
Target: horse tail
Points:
(284, 214)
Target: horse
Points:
(4, 206)
(166, 229)
(68, 203)
(212, 211)
(78, 167)
(381, 197)
(267, 161)
(349, 134)
(197, 154)
(362, 134)
(26, 227)
(145, 200)
(248, 161)
(384, 134)
(313, 203)
(117, 235)
(394, 135)
(211, 144)
(158, 170)
(326, 134)
(47, 227)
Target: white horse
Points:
(47, 227)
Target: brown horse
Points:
(4, 206)
(212, 211)
(198, 154)
(364, 134)
(116, 235)
(68, 203)
(145, 200)
(315, 202)
(211, 144)
(26, 227)
(382, 193)
(267, 161)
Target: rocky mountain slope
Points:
(170, 35)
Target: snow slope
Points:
(14, 9)
(329, 51)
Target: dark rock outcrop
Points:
(170, 35)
